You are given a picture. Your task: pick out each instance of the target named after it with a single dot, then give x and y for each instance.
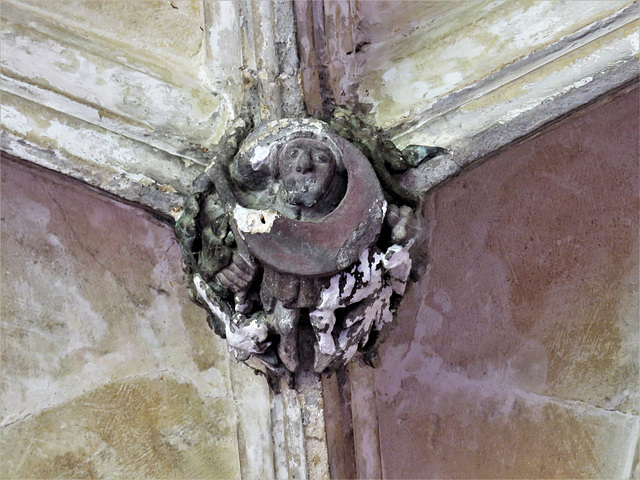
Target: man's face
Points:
(307, 168)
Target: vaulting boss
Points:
(303, 224)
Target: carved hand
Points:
(238, 275)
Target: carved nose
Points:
(304, 165)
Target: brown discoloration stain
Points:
(139, 428)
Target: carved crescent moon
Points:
(326, 246)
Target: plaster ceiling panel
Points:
(123, 69)
(470, 76)
(381, 20)
(172, 27)
(408, 74)
(163, 77)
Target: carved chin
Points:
(305, 195)
(306, 199)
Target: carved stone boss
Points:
(298, 228)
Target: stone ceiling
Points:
(132, 97)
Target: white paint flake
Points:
(247, 337)
(254, 221)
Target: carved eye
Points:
(322, 158)
(293, 152)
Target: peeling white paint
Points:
(245, 337)
(426, 84)
(260, 157)
(14, 120)
(116, 88)
(378, 277)
(390, 74)
(588, 73)
(465, 48)
(203, 291)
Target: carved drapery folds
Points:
(298, 227)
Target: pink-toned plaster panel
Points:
(517, 353)
(107, 369)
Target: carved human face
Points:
(307, 168)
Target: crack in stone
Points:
(6, 423)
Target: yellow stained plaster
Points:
(522, 85)
(475, 42)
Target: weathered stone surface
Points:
(470, 77)
(295, 220)
(517, 353)
(132, 97)
(402, 76)
(171, 28)
(88, 61)
(108, 369)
